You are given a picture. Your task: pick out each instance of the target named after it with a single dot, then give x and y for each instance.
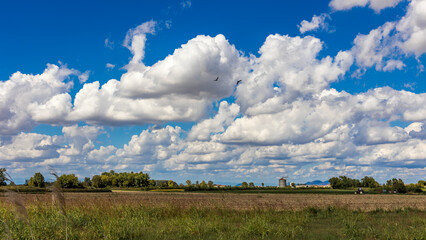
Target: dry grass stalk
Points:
(7, 230)
(17, 201)
(59, 198)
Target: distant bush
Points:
(23, 189)
(415, 188)
(122, 180)
(68, 181)
(3, 177)
(396, 185)
(37, 181)
(86, 190)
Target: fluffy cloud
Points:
(204, 129)
(197, 64)
(135, 41)
(384, 46)
(376, 5)
(287, 69)
(412, 28)
(151, 145)
(373, 48)
(160, 93)
(27, 98)
(317, 23)
(110, 66)
(285, 118)
(29, 147)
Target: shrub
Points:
(37, 181)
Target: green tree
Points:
(203, 184)
(244, 185)
(87, 182)
(344, 182)
(293, 184)
(336, 183)
(396, 185)
(210, 184)
(251, 184)
(263, 184)
(3, 177)
(417, 188)
(369, 182)
(97, 182)
(188, 183)
(68, 181)
(170, 183)
(422, 183)
(37, 180)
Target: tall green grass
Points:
(137, 221)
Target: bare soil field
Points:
(234, 201)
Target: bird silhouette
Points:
(216, 79)
(238, 82)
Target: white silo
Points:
(282, 182)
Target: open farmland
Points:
(236, 201)
(157, 215)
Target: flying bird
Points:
(238, 82)
(216, 79)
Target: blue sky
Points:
(329, 88)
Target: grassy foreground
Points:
(169, 222)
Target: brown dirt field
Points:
(233, 200)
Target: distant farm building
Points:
(282, 183)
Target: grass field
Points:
(175, 215)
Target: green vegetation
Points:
(141, 181)
(145, 222)
(37, 181)
(68, 181)
(393, 185)
(124, 179)
(343, 182)
(3, 177)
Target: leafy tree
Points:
(422, 183)
(87, 182)
(244, 185)
(251, 184)
(37, 180)
(263, 184)
(336, 183)
(68, 181)
(3, 177)
(170, 183)
(210, 184)
(203, 184)
(417, 188)
(396, 185)
(369, 182)
(97, 182)
(344, 182)
(293, 184)
(188, 183)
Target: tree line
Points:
(142, 180)
(106, 179)
(392, 185)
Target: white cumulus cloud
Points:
(317, 23)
